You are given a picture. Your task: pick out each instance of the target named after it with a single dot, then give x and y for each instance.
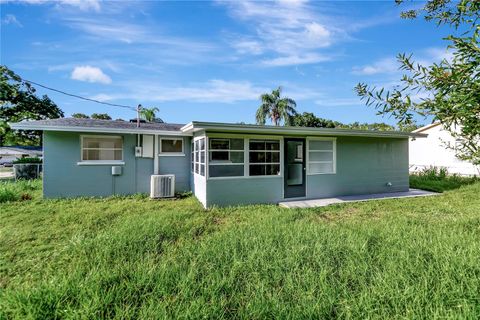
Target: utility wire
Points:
(80, 97)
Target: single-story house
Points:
(12, 153)
(434, 151)
(222, 164)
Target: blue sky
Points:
(210, 61)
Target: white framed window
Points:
(101, 149)
(264, 157)
(226, 157)
(321, 156)
(171, 147)
(198, 156)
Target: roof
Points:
(20, 150)
(95, 125)
(427, 127)
(196, 126)
(114, 126)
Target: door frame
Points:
(285, 166)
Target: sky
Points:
(210, 61)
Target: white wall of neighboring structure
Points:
(432, 151)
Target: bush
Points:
(19, 190)
(7, 195)
(28, 160)
(437, 179)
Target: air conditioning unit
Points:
(162, 186)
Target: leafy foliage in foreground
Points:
(450, 88)
(18, 101)
(135, 258)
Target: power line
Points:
(80, 97)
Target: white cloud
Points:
(426, 57)
(84, 5)
(386, 65)
(11, 19)
(289, 30)
(90, 74)
(340, 102)
(212, 91)
(295, 60)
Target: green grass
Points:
(136, 258)
(438, 180)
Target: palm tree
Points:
(148, 113)
(276, 108)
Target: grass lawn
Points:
(135, 258)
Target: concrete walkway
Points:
(312, 203)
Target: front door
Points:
(294, 177)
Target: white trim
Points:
(162, 153)
(196, 126)
(334, 159)
(196, 161)
(27, 126)
(100, 163)
(82, 136)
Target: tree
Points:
(100, 116)
(80, 116)
(19, 102)
(276, 108)
(308, 119)
(376, 126)
(450, 88)
(148, 113)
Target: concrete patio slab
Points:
(312, 203)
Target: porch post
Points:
(156, 158)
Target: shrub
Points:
(19, 190)
(437, 179)
(28, 160)
(7, 195)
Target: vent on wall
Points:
(162, 186)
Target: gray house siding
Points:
(224, 192)
(63, 177)
(364, 165)
(179, 166)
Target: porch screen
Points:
(226, 157)
(321, 156)
(264, 157)
(198, 156)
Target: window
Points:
(171, 146)
(102, 148)
(198, 156)
(226, 157)
(321, 156)
(264, 157)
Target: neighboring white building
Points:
(432, 151)
(12, 153)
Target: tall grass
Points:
(438, 179)
(19, 190)
(133, 258)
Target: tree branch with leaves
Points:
(448, 90)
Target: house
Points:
(9, 154)
(222, 164)
(434, 151)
